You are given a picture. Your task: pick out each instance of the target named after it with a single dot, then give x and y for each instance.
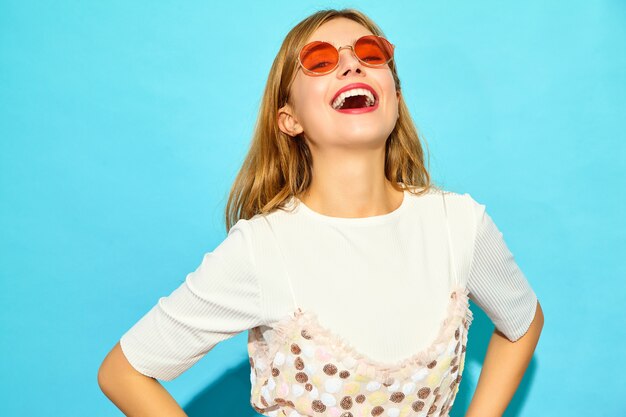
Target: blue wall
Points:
(119, 140)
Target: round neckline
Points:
(355, 221)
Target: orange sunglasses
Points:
(320, 58)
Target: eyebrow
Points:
(351, 42)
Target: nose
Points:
(348, 61)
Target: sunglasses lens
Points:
(319, 57)
(373, 50)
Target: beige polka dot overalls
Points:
(307, 370)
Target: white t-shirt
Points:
(382, 283)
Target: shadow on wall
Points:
(480, 333)
(230, 396)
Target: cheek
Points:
(388, 85)
(312, 96)
(310, 101)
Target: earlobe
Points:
(287, 123)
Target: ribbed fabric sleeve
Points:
(220, 299)
(496, 283)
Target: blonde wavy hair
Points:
(278, 166)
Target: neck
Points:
(351, 193)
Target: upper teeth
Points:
(341, 98)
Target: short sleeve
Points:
(496, 283)
(220, 299)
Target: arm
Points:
(503, 369)
(220, 299)
(135, 394)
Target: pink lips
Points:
(357, 110)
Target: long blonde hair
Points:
(278, 166)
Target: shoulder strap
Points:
(282, 259)
(451, 250)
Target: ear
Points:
(287, 121)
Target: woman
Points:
(349, 268)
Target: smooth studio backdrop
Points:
(123, 124)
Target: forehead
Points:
(339, 32)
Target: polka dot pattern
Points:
(417, 405)
(397, 397)
(304, 372)
(346, 402)
(318, 406)
(378, 410)
(330, 369)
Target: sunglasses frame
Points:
(351, 47)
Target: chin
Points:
(365, 136)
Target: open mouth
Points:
(355, 98)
